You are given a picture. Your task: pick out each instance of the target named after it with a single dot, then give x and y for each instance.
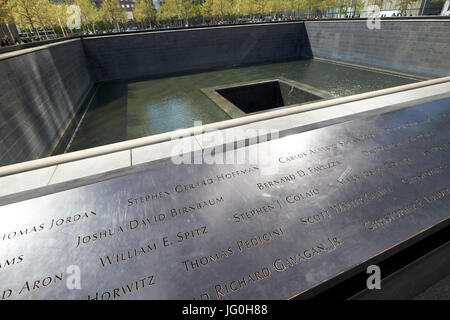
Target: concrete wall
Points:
(415, 47)
(156, 53)
(39, 93)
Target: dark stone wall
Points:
(409, 46)
(157, 53)
(40, 92)
(414, 47)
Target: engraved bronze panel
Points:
(342, 195)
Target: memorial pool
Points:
(126, 110)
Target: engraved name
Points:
(255, 212)
(195, 263)
(5, 263)
(410, 139)
(147, 198)
(387, 165)
(438, 148)
(290, 178)
(225, 289)
(125, 290)
(221, 177)
(132, 225)
(339, 144)
(259, 239)
(345, 206)
(128, 255)
(406, 210)
(282, 264)
(54, 223)
(241, 245)
(195, 207)
(191, 234)
(426, 174)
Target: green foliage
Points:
(403, 5)
(170, 9)
(248, 8)
(274, 7)
(144, 11)
(23, 12)
(221, 8)
(196, 8)
(5, 12)
(111, 11)
(379, 3)
(89, 12)
(327, 4)
(206, 8)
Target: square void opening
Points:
(266, 95)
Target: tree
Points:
(89, 13)
(261, 6)
(313, 6)
(55, 15)
(299, 6)
(343, 6)
(43, 14)
(186, 9)
(6, 16)
(23, 13)
(289, 5)
(358, 5)
(145, 12)
(221, 8)
(113, 12)
(170, 10)
(206, 9)
(32, 13)
(61, 16)
(327, 5)
(196, 10)
(404, 4)
(274, 7)
(5, 13)
(249, 8)
(379, 3)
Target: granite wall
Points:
(156, 53)
(40, 91)
(408, 46)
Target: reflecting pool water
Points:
(127, 110)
